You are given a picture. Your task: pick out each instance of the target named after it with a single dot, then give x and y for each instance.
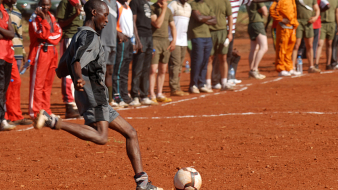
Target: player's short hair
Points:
(91, 5)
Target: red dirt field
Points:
(287, 141)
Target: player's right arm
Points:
(7, 34)
(77, 73)
(158, 21)
(40, 25)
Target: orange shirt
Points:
(285, 9)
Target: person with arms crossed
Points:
(13, 99)
(6, 61)
(307, 13)
(181, 11)
(259, 40)
(84, 61)
(69, 20)
(221, 34)
(329, 22)
(285, 13)
(45, 33)
(201, 17)
(142, 57)
(161, 18)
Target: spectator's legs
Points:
(295, 51)
(334, 61)
(223, 67)
(207, 46)
(19, 63)
(254, 47)
(209, 70)
(216, 73)
(262, 42)
(109, 81)
(5, 77)
(309, 52)
(315, 42)
(319, 50)
(162, 69)
(152, 80)
(13, 95)
(144, 78)
(175, 63)
(328, 51)
(197, 57)
(137, 68)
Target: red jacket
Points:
(6, 45)
(39, 33)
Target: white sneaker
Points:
(114, 104)
(234, 81)
(147, 101)
(228, 87)
(123, 104)
(295, 73)
(217, 86)
(135, 102)
(284, 74)
(5, 126)
(206, 89)
(194, 90)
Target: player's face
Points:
(45, 5)
(101, 17)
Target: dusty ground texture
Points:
(280, 144)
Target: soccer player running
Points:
(6, 60)
(307, 13)
(259, 40)
(328, 31)
(84, 61)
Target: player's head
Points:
(161, 1)
(97, 11)
(45, 5)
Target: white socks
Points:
(224, 81)
(208, 81)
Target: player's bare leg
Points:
(209, 71)
(152, 80)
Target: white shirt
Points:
(125, 23)
(181, 15)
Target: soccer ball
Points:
(187, 179)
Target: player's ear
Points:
(94, 12)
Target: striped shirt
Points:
(16, 18)
(235, 5)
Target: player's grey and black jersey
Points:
(92, 103)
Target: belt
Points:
(284, 26)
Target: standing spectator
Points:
(220, 34)
(13, 112)
(124, 53)
(285, 12)
(259, 40)
(6, 60)
(334, 61)
(45, 33)
(199, 33)
(307, 13)
(329, 20)
(108, 41)
(161, 18)
(69, 19)
(142, 58)
(181, 11)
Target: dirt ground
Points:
(268, 134)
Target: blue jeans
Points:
(201, 48)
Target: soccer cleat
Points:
(5, 126)
(71, 112)
(217, 86)
(194, 90)
(147, 101)
(295, 73)
(227, 87)
(256, 75)
(43, 119)
(313, 70)
(149, 187)
(21, 122)
(135, 102)
(205, 89)
(163, 99)
(284, 74)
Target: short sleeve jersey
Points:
(198, 29)
(141, 9)
(330, 15)
(304, 13)
(108, 33)
(254, 15)
(64, 11)
(163, 31)
(222, 10)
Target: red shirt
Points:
(318, 23)
(6, 45)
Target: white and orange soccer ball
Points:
(187, 179)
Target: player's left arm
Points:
(77, 73)
(264, 11)
(7, 34)
(55, 37)
(174, 34)
(317, 11)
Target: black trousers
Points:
(334, 60)
(5, 78)
(140, 69)
(124, 54)
(232, 63)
